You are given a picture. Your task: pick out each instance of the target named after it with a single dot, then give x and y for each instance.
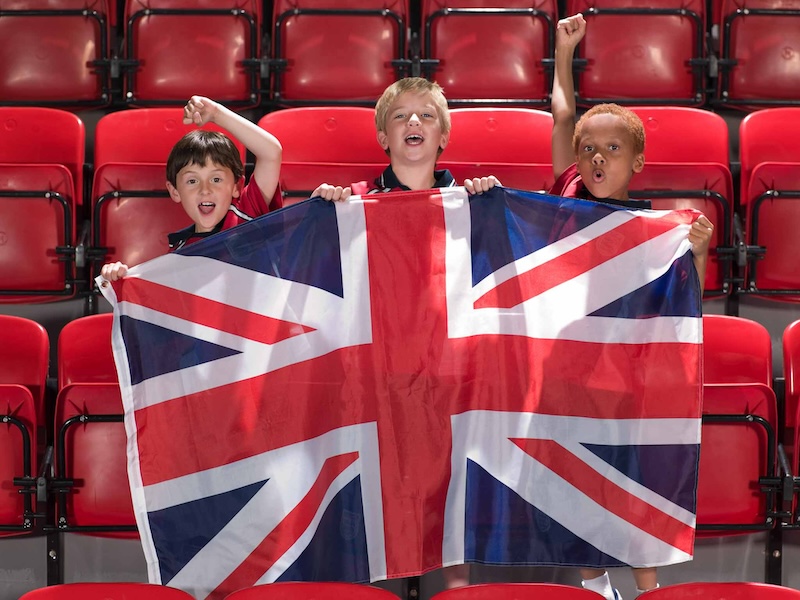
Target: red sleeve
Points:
(568, 184)
(252, 203)
(359, 188)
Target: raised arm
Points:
(265, 147)
(569, 32)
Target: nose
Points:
(598, 159)
(414, 119)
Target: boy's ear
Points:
(383, 140)
(173, 193)
(445, 139)
(237, 191)
(638, 163)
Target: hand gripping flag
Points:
(373, 389)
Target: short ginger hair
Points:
(630, 120)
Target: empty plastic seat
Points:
(490, 52)
(24, 355)
(54, 53)
(306, 590)
(770, 179)
(132, 212)
(758, 66)
(512, 144)
(176, 48)
(642, 53)
(337, 52)
(91, 475)
(686, 166)
(516, 591)
(107, 591)
(332, 144)
(722, 591)
(41, 187)
(791, 373)
(739, 430)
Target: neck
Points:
(417, 176)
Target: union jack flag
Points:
(373, 389)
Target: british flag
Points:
(373, 389)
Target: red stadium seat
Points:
(334, 144)
(660, 59)
(132, 212)
(24, 355)
(335, 51)
(770, 178)
(722, 591)
(305, 590)
(41, 188)
(740, 421)
(54, 53)
(490, 52)
(686, 166)
(757, 66)
(91, 476)
(177, 48)
(516, 591)
(512, 144)
(107, 591)
(791, 371)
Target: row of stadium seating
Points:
(63, 213)
(63, 465)
(495, 591)
(247, 53)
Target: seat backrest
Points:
(684, 134)
(791, 373)
(84, 351)
(491, 52)
(770, 188)
(765, 137)
(306, 590)
(651, 61)
(736, 350)
(107, 591)
(337, 51)
(44, 136)
(330, 144)
(185, 47)
(736, 449)
(516, 591)
(144, 135)
(59, 47)
(756, 69)
(511, 143)
(25, 357)
(722, 591)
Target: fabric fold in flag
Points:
(377, 388)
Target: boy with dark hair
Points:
(595, 159)
(205, 174)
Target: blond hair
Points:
(630, 120)
(417, 85)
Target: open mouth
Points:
(206, 208)
(598, 176)
(414, 139)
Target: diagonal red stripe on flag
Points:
(286, 534)
(579, 260)
(608, 494)
(224, 317)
